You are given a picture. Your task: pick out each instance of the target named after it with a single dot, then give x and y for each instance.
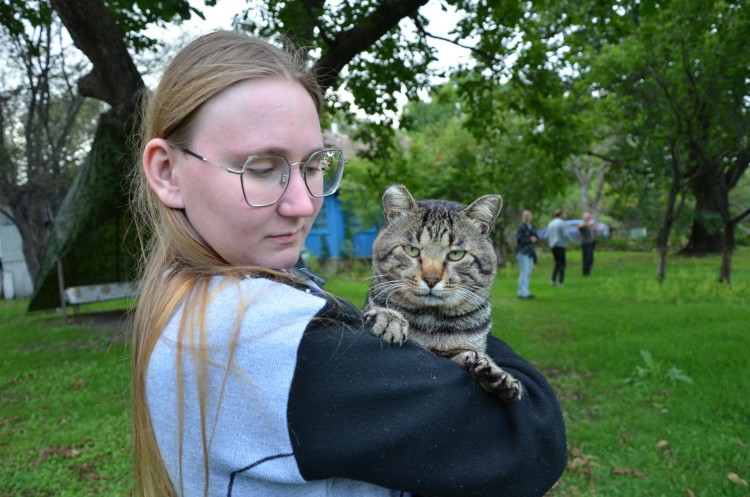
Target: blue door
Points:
(327, 234)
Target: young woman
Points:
(249, 380)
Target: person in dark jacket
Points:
(526, 237)
(587, 231)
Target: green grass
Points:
(635, 428)
(64, 425)
(654, 381)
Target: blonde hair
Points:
(176, 263)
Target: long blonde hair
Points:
(176, 263)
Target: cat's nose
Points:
(431, 279)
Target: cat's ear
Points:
(397, 201)
(484, 211)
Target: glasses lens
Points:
(264, 180)
(323, 172)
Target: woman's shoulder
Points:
(289, 296)
(264, 291)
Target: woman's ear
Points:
(159, 165)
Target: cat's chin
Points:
(432, 300)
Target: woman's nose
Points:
(297, 201)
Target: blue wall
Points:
(327, 238)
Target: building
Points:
(336, 234)
(15, 281)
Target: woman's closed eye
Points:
(265, 167)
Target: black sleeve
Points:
(405, 419)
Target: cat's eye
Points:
(411, 250)
(456, 255)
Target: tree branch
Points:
(486, 55)
(740, 217)
(609, 160)
(352, 42)
(115, 78)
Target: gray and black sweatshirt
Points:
(312, 404)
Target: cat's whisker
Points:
(386, 288)
(471, 297)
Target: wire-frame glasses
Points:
(265, 177)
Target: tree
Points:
(586, 170)
(362, 38)
(44, 123)
(667, 75)
(442, 156)
(691, 100)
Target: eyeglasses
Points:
(265, 177)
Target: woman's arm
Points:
(406, 419)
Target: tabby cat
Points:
(433, 265)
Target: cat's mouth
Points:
(430, 298)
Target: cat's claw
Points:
(387, 324)
(470, 358)
(491, 377)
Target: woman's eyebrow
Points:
(277, 150)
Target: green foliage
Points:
(15, 15)
(393, 63)
(657, 89)
(444, 156)
(133, 18)
(654, 373)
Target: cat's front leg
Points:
(387, 324)
(490, 376)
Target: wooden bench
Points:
(86, 294)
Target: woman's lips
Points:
(287, 238)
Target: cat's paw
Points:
(387, 324)
(490, 376)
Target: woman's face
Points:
(251, 117)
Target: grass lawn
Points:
(64, 427)
(654, 381)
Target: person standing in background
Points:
(588, 242)
(557, 239)
(526, 237)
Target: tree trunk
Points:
(585, 171)
(661, 264)
(725, 273)
(599, 194)
(114, 78)
(97, 194)
(706, 235)
(584, 182)
(500, 243)
(662, 245)
(671, 213)
(502, 258)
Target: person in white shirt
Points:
(557, 239)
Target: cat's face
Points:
(435, 253)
